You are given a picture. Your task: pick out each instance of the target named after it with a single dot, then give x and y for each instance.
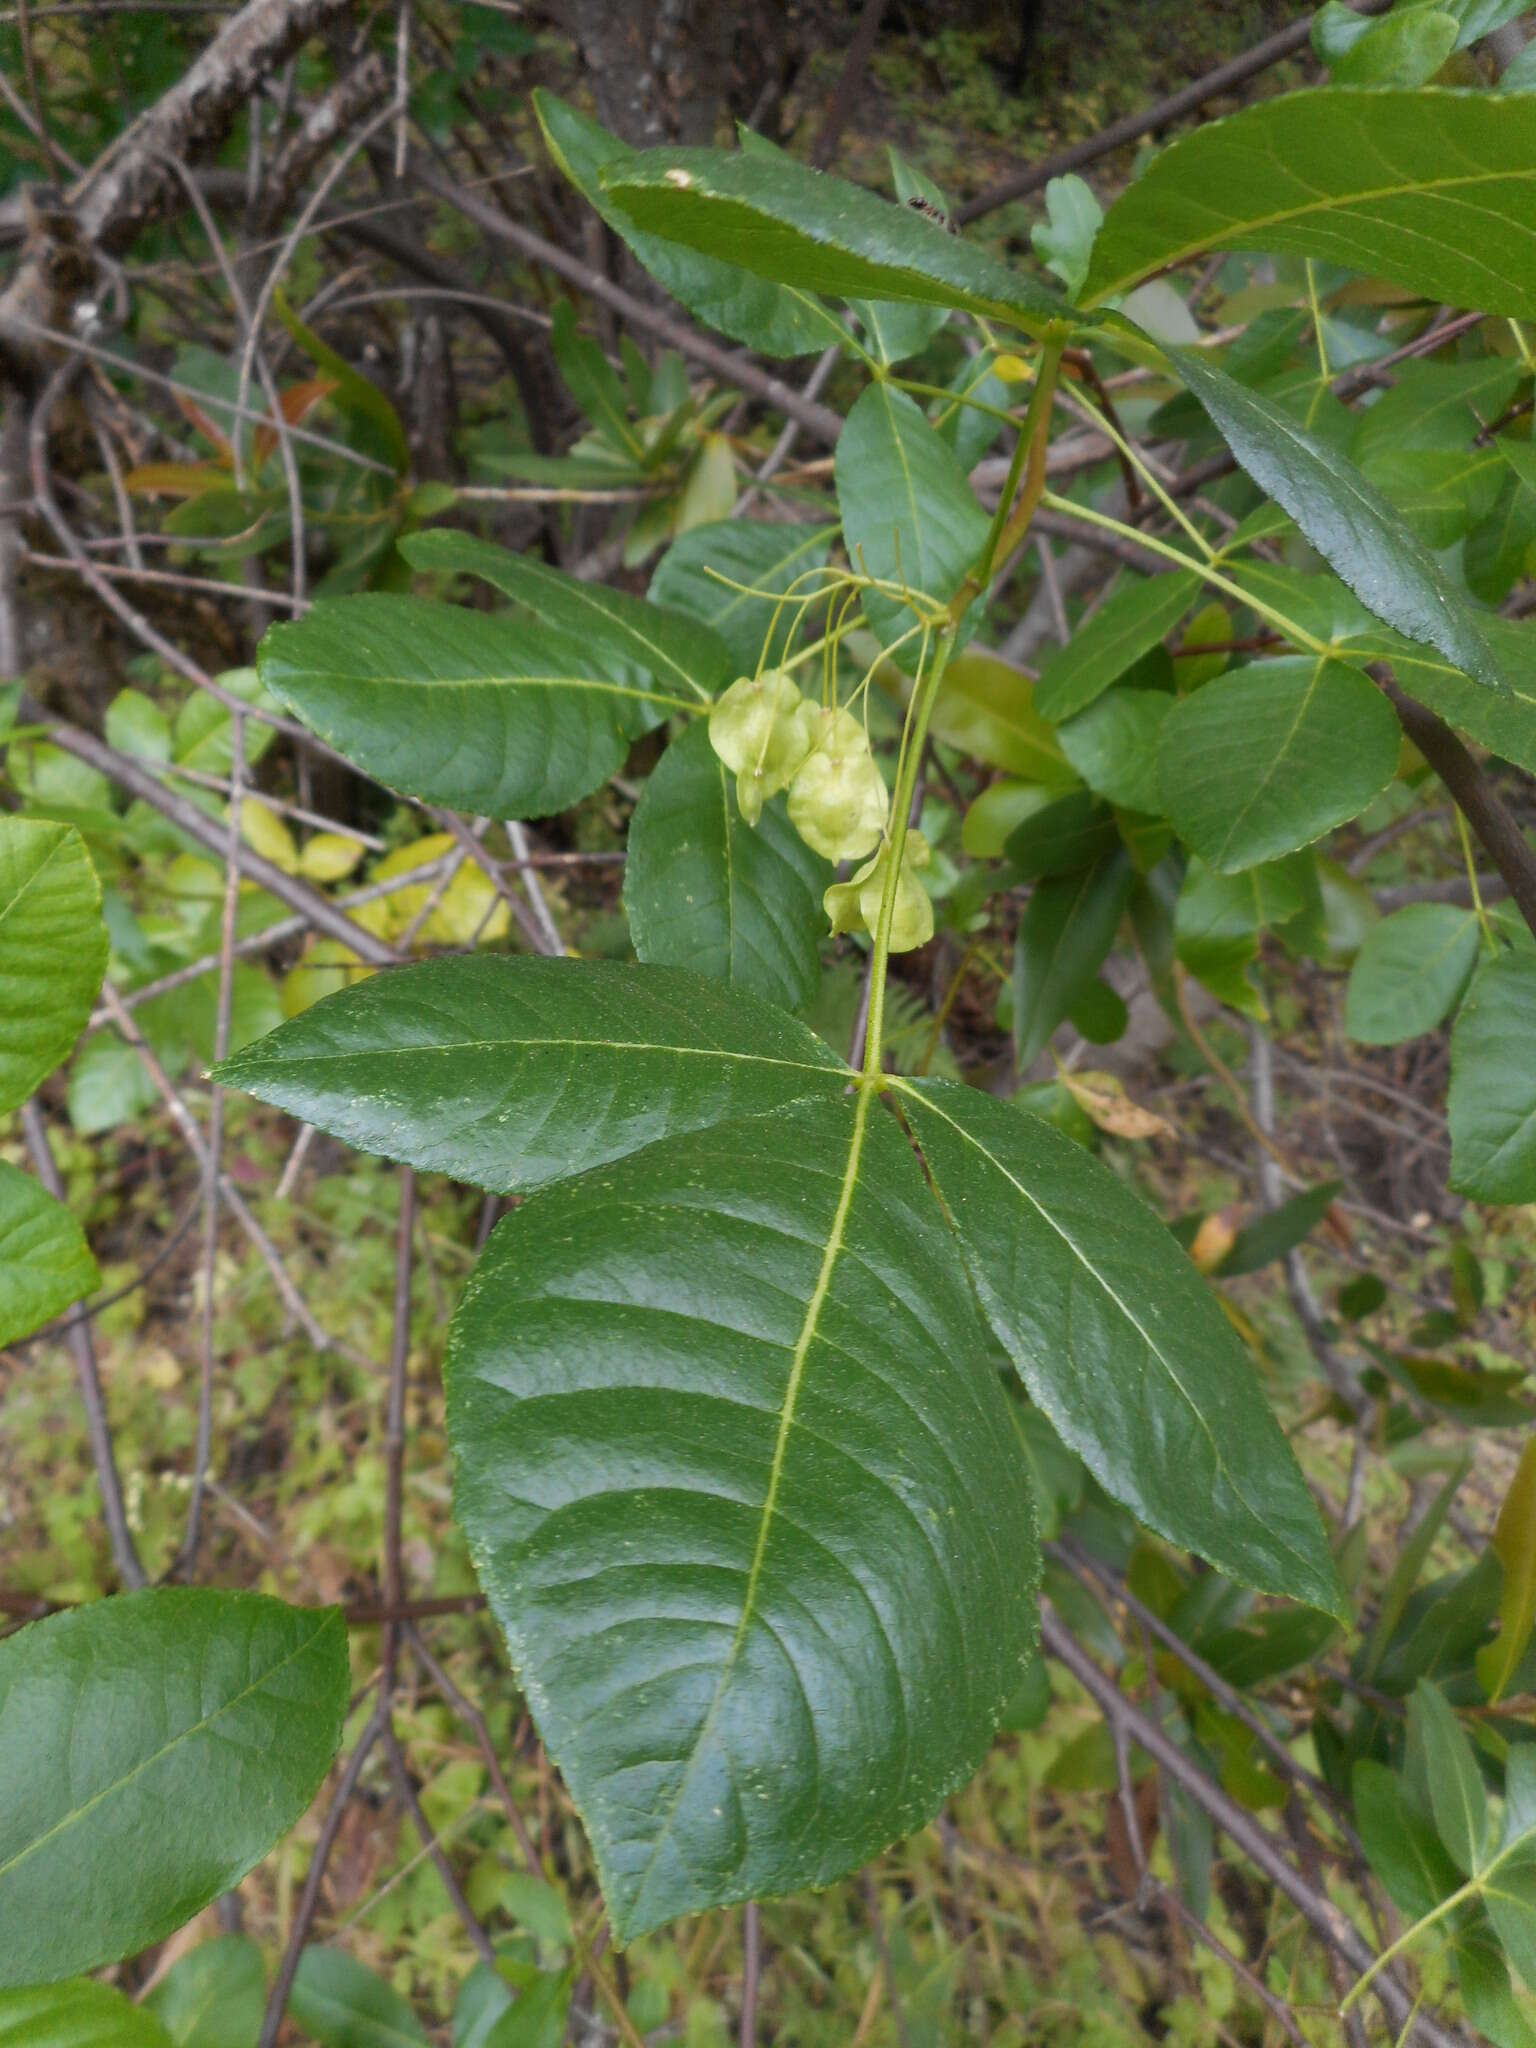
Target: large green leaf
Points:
(1410, 973)
(53, 950)
(684, 655)
(720, 1410)
(214, 1996)
(1121, 1342)
(152, 1749)
(341, 2004)
(1430, 188)
(705, 890)
(1064, 935)
(484, 713)
(77, 2015)
(1123, 629)
(1268, 759)
(768, 557)
(1352, 527)
(1218, 920)
(1514, 1542)
(1492, 1107)
(769, 318)
(509, 1073)
(45, 1262)
(909, 515)
(801, 227)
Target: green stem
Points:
(918, 714)
(1448, 1905)
(1030, 447)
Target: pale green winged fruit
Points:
(762, 728)
(857, 901)
(837, 797)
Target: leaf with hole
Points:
(765, 314)
(817, 233)
(223, 1709)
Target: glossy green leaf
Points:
(1400, 1842)
(214, 1996)
(485, 713)
(1430, 188)
(222, 1709)
(1440, 494)
(713, 1406)
(804, 228)
(1352, 527)
(1514, 1542)
(1456, 1795)
(1435, 406)
(45, 1262)
(1269, 758)
(1492, 1107)
(1123, 628)
(510, 1073)
(1121, 1342)
(341, 2004)
(769, 318)
(1065, 933)
(985, 706)
(684, 654)
(766, 556)
(1113, 745)
(537, 2019)
(1410, 973)
(908, 513)
(705, 890)
(53, 950)
(1504, 722)
(77, 2015)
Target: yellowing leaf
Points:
(1103, 1098)
(1514, 1539)
(467, 911)
(326, 967)
(329, 856)
(1213, 1240)
(265, 833)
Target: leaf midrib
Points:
(78, 1813)
(808, 1328)
(1100, 1280)
(1331, 203)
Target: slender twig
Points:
(394, 1421)
(1256, 1843)
(88, 1377)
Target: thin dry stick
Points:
(751, 1971)
(468, 1712)
(1256, 1843)
(434, 1848)
(124, 1551)
(213, 1163)
(309, 1898)
(394, 1421)
(187, 1124)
